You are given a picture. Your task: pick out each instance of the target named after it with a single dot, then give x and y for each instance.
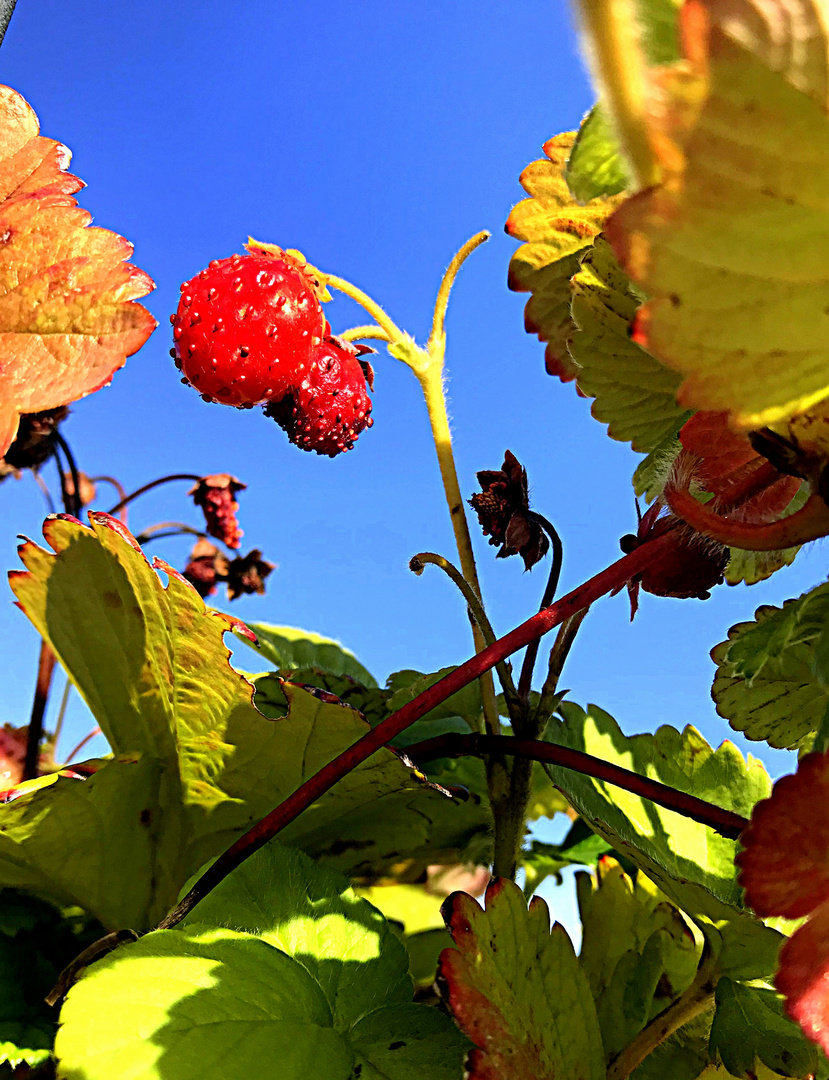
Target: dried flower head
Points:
(207, 568)
(503, 510)
(88, 488)
(216, 495)
(247, 574)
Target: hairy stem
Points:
(611, 579)
(528, 666)
(611, 28)
(45, 669)
(133, 495)
(696, 999)
(437, 338)
(476, 609)
(383, 321)
(364, 333)
(725, 822)
(810, 522)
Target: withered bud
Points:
(247, 574)
(503, 510)
(34, 442)
(206, 567)
(216, 495)
(88, 489)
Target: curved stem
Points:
(176, 528)
(365, 301)
(528, 666)
(416, 564)
(437, 337)
(725, 822)
(609, 580)
(75, 498)
(153, 484)
(119, 487)
(810, 522)
(558, 655)
(696, 999)
(87, 738)
(365, 333)
(619, 67)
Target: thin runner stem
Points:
(528, 666)
(152, 484)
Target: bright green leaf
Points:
(310, 980)
(516, 988)
(749, 1026)
(766, 684)
(595, 167)
(637, 951)
(635, 394)
(195, 763)
(691, 864)
(288, 647)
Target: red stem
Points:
(45, 668)
(611, 579)
(810, 522)
(715, 817)
(153, 484)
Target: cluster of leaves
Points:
(651, 303)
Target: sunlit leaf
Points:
(635, 394)
(732, 246)
(515, 987)
(595, 167)
(556, 232)
(765, 684)
(67, 317)
(691, 864)
(637, 951)
(195, 763)
(289, 647)
(310, 979)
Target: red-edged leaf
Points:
(804, 977)
(785, 871)
(516, 989)
(785, 862)
(67, 317)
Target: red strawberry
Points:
(246, 326)
(331, 406)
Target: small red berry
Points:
(331, 406)
(246, 326)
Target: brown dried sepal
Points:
(88, 489)
(503, 510)
(247, 574)
(216, 495)
(208, 567)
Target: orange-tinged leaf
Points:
(732, 245)
(68, 319)
(557, 232)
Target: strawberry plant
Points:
(279, 867)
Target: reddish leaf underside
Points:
(785, 871)
(67, 316)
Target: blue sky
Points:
(375, 138)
